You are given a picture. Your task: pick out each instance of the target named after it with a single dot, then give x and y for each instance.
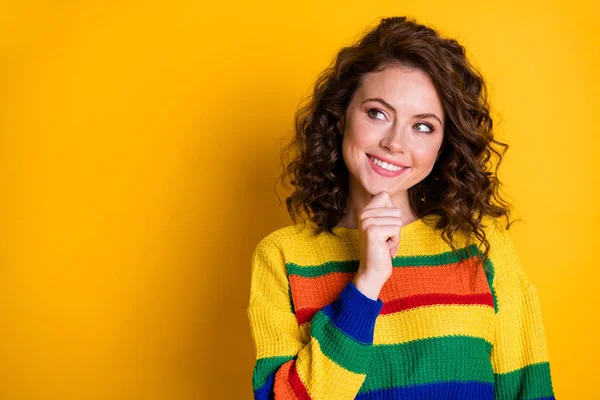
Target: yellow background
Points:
(140, 144)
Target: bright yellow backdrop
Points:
(140, 145)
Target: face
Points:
(395, 115)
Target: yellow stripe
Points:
(307, 250)
(305, 332)
(430, 321)
(520, 339)
(323, 378)
(275, 332)
(438, 320)
(273, 325)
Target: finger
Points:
(393, 252)
(389, 234)
(388, 199)
(381, 199)
(381, 221)
(393, 248)
(393, 240)
(380, 212)
(389, 202)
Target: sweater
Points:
(445, 325)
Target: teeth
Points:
(385, 165)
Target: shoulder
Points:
(501, 241)
(286, 236)
(496, 232)
(276, 250)
(503, 254)
(300, 244)
(287, 240)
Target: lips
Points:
(387, 160)
(385, 172)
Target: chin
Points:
(374, 189)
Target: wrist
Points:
(368, 285)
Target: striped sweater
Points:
(444, 326)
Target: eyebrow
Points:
(388, 105)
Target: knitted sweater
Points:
(443, 327)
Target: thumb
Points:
(381, 199)
(393, 250)
(388, 201)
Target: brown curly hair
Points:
(459, 189)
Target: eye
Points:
(376, 110)
(426, 125)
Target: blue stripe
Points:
(354, 313)
(265, 392)
(451, 390)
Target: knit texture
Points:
(444, 327)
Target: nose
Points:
(394, 139)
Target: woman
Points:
(386, 294)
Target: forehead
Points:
(410, 89)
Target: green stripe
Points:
(265, 367)
(530, 382)
(436, 260)
(313, 271)
(463, 358)
(338, 346)
(489, 273)
(488, 268)
(323, 269)
(292, 309)
(335, 344)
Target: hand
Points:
(379, 224)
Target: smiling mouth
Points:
(385, 165)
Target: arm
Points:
(331, 363)
(520, 355)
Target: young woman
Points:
(386, 293)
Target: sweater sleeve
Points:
(329, 364)
(519, 355)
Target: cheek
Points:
(353, 147)
(361, 135)
(424, 154)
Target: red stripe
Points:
(296, 384)
(305, 314)
(418, 300)
(435, 299)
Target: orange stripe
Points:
(297, 384)
(282, 387)
(318, 292)
(457, 278)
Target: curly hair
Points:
(460, 188)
